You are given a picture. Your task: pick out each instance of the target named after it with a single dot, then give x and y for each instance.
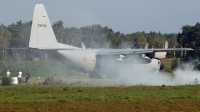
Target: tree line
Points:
(16, 35)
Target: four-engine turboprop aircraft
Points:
(93, 61)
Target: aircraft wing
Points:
(53, 49)
(139, 51)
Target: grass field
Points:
(79, 93)
(65, 98)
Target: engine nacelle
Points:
(160, 55)
(157, 55)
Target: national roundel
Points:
(84, 58)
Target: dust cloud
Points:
(185, 74)
(136, 72)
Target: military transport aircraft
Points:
(93, 61)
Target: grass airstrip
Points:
(81, 94)
(121, 98)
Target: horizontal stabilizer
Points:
(24, 48)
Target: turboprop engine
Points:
(157, 55)
(152, 64)
(160, 55)
(144, 61)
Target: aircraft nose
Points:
(162, 66)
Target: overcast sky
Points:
(125, 16)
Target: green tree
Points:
(20, 34)
(20, 38)
(6, 81)
(190, 37)
(159, 42)
(140, 38)
(59, 30)
(4, 41)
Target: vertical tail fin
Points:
(42, 35)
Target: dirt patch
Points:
(52, 81)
